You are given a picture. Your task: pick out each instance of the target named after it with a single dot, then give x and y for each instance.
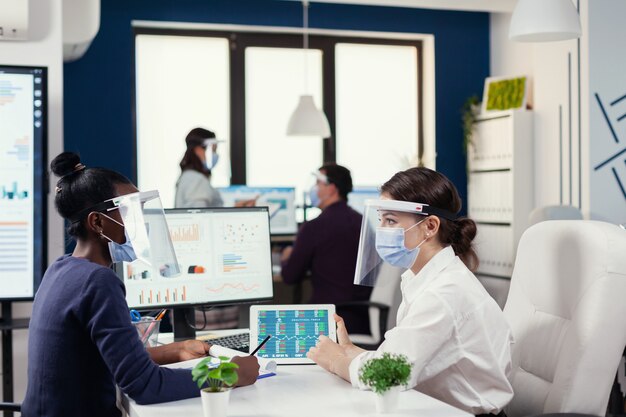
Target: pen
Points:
(146, 334)
(261, 344)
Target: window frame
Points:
(238, 42)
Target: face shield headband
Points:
(376, 239)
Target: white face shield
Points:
(147, 232)
(383, 236)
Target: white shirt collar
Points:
(413, 284)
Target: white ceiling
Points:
(505, 6)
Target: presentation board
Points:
(23, 161)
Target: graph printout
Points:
(21, 125)
(293, 332)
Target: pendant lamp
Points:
(307, 119)
(544, 21)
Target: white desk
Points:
(296, 390)
(300, 390)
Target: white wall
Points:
(607, 79)
(506, 57)
(44, 48)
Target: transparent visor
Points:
(381, 217)
(146, 230)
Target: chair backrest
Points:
(541, 214)
(567, 311)
(386, 291)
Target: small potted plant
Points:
(219, 378)
(386, 376)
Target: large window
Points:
(245, 85)
(376, 110)
(274, 80)
(182, 82)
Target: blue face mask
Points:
(120, 252)
(123, 252)
(390, 246)
(315, 199)
(214, 158)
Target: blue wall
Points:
(98, 110)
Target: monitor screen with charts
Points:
(279, 200)
(224, 258)
(357, 197)
(294, 329)
(23, 157)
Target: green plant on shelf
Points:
(469, 113)
(382, 374)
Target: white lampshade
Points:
(308, 120)
(544, 21)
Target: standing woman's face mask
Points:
(212, 157)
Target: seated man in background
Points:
(327, 246)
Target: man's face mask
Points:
(391, 248)
(120, 252)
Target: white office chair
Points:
(383, 307)
(541, 214)
(567, 311)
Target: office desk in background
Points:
(302, 391)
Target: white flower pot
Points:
(215, 404)
(388, 402)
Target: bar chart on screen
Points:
(20, 119)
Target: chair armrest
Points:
(382, 308)
(374, 304)
(10, 407)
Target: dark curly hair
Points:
(79, 188)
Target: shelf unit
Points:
(500, 187)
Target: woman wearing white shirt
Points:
(193, 188)
(451, 330)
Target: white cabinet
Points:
(500, 187)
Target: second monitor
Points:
(223, 256)
(280, 202)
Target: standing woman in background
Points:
(193, 188)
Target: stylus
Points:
(261, 344)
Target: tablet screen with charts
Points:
(294, 329)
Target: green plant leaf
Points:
(215, 373)
(230, 377)
(229, 365)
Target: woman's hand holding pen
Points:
(248, 369)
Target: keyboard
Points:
(240, 342)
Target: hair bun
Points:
(65, 163)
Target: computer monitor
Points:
(224, 256)
(356, 198)
(23, 158)
(279, 200)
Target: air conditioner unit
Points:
(81, 22)
(13, 20)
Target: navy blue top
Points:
(81, 343)
(328, 247)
